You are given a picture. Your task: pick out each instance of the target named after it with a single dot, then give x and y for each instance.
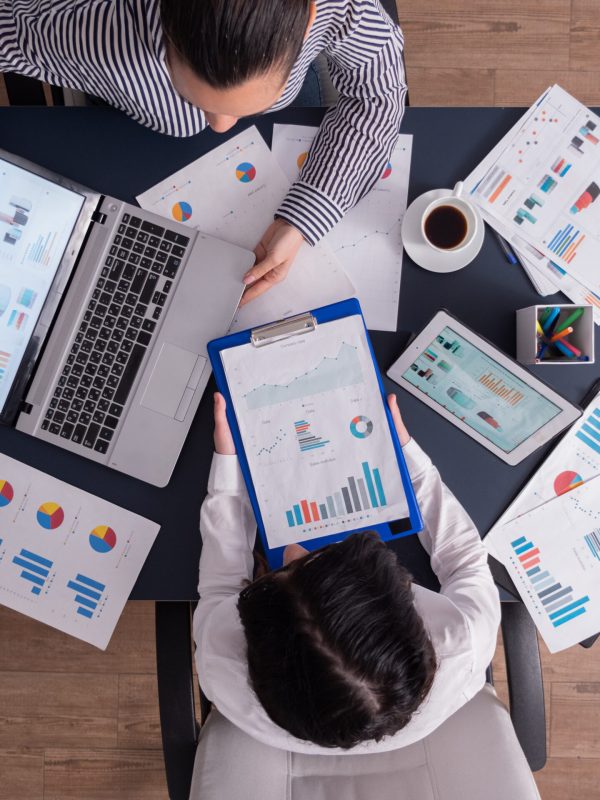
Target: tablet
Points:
(482, 391)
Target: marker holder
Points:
(528, 341)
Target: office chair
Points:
(483, 723)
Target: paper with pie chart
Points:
(232, 193)
(67, 558)
(315, 433)
(574, 461)
(367, 240)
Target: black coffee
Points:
(446, 227)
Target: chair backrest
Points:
(474, 754)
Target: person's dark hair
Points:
(226, 42)
(337, 653)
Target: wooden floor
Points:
(78, 724)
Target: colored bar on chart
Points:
(550, 590)
(354, 493)
(544, 584)
(21, 562)
(571, 616)
(330, 506)
(85, 601)
(346, 496)
(298, 514)
(78, 587)
(370, 486)
(38, 559)
(339, 504)
(500, 188)
(323, 511)
(533, 571)
(305, 510)
(90, 582)
(553, 597)
(526, 556)
(33, 578)
(85, 612)
(570, 607)
(521, 540)
(315, 512)
(363, 493)
(590, 443)
(559, 604)
(379, 486)
(290, 518)
(541, 576)
(531, 563)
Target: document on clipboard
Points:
(315, 433)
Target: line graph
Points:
(330, 373)
(268, 449)
(355, 243)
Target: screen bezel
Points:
(18, 391)
(568, 413)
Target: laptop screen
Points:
(37, 218)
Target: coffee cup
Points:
(449, 224)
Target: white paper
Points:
(553, 555)
(232, 193)
(315, 433)
(367, 240)
(542, 184)
(55, 538)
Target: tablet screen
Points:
(479, 391)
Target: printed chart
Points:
(71, 561)
(367, 240)
(318, 467)
(551, 553)
(246, 188)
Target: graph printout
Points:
(232, 193)
(315, 433)
(67, 558)
(367, 241)
(541, 184)
(480, 392)
(553, 556)
(575, 460)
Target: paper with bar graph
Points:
(67, 558)
(575, 460)
(315, 433)
(367, 241)
(540, 186)
(553, 556)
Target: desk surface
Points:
(105, 150)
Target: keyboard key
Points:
(144, 338)
(178, 251)
(91, 334)
(156, 313)
(122, 324)
(94, 394)
(98, 383)
(173, 265)
(141, 308)
(136, 322)
(131, 298)
(89, 440)
(112, 422)
(126, 346)
(62, 380)
(103, 370)
(117, 369)
(146, 263)
(115, 410)
(127, 312)
(116, 271)
(128, 274)
(95, 357)
(105, 334)
(131, 369)
(45, 425)
(85, 418)
(54, 428)
(100, 345)
(134, 259)
(106, 434)
(135, 222)
(108, 359)
(101, 446)
(105, 271)
(125, 219)
(109, 261)
(153, 241)
(131, 233)
(98, 417)
(110, 321)
(72, 382)
(89, 408)
(113, 250)
(153, 228)
(167, 287)
(59, 417)
(150, 252)
(110, 286)
(103, 405)
(122, 253)
(138, 249)
(108, 393)
(101, 310)
(67, 430)
(105, 298)
(161, 258)
(112, 347)
(91, 369)
(76, 404)
(63, 405)
(165, 247)
(149, 287)
(117, 334)
(68, 394)
(72, 416)
(142, 237)
(138, 281)
(177, 238)
(119, 298)
(53, 402)
(112, 381)
(78, 434)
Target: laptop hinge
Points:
(26, 408)
(98, 216)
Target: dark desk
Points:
(105, 150)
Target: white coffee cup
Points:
(455, 200)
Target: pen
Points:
(571, 318)
(561, 335)
(567, 349)
(544, 314)
(539, 328)
(551, 321)
(506, 249)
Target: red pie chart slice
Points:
(566, 481)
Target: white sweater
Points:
(462, 620)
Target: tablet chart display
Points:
(476, 389)
(315, 433)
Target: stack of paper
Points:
(550, 535)
(540, 188)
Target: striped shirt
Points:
(115, 50)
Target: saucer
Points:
(421, 252)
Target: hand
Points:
(403, 434)
(274, 256)
(223, 439)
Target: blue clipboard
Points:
(276, 331)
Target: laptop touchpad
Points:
(169, 380)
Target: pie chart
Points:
(50, 516)
(245, 172)
(181, 211)
(103, 539)
(6, 493)
(301, 159)
(387, 171)
(566, 481)
(361, 427)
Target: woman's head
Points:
(232, 58)
(337, 653)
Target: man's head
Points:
(337, 653)
(232, 58)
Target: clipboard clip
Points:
(276, 331)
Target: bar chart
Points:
(589, 433)
(593, 542)
(88, 594)
(497, 386)
(307, 440)
(40, 251)
(557, 601)
(35, 569)
(359, 493)
(566, 241)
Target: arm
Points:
(357, 136)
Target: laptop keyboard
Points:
(117, 328)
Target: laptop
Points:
(105, 313)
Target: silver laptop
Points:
(105, 313)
